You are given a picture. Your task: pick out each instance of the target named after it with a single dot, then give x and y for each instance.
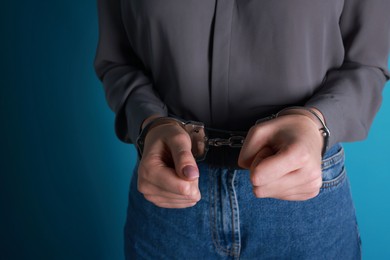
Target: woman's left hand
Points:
(284, 158)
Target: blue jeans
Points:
(230, 223)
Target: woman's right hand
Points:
(167, 173)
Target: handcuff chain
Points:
(233, 141)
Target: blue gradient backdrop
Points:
(65, 176)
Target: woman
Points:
(238, 109)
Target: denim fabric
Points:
(230, 223)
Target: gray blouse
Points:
(228, 63)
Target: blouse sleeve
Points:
(351, 94)
(128, 88)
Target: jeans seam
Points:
(334, 182)
(235, 216)
(213, 220)
(334, 159)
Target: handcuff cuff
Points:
(201, 142)
(195, 130)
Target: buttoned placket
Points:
(220, 62)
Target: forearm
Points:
(127, 84)
(351, 94)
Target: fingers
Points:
(268, 166)
(283, 156)
(162, 186)
(165, 202)
(168, 174)
(255, 141)
(163, 181)
(294, 186)
(185, 165)
(262, 154)
(300, 197)
(288, 175)
(170, 205)
(166, 179)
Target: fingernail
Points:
(191, 172)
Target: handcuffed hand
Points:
(167, 173)
(284, 158)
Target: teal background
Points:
(64, 174)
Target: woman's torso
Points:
(228, 63)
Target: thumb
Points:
(185, 165)
(261, 155)
(256, 140)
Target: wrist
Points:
(151, 123)
(148, 120)
(317, 118)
